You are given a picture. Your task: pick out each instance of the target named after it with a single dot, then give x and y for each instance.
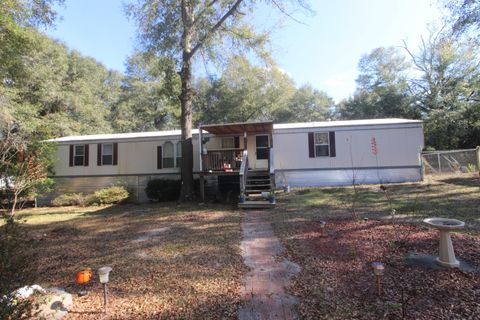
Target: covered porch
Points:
(222, 146)
(239, 149)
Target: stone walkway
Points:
(264, 286)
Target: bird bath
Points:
(445, 226)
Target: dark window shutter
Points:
(115, 154)
(311, 145)
(331, 138)
(87, 154)
(99, 154)
(70, 157)
(236, 142)
(159, 157)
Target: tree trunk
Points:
(186, 96)
(15, 199)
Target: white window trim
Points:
(103, 154)
(75, 154)
(321, 144)
(163, 155)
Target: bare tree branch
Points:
(217, 25)
(282, 10)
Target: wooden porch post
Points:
(200, 148)
(202, 187)
(245, 139)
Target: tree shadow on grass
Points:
(473, 181)
(197, 251)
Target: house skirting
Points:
(136, 185)
(314, 177)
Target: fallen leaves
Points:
(187, 266)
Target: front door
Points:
(262, 152)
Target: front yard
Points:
(337, 282)
(184, 261)
(168, 261)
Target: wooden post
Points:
(478, 158)
(202, 187)
(200, 150)
(245, 140)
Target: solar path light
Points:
(378, 271)
(103, 273)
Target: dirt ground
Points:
(169, 261)
(184, 262)
(337, 282)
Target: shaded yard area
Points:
(169, 261)
(337, 282)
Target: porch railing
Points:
(216, 160)
(243, 171)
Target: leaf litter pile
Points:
(337, 281)
(169, 262)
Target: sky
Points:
(322, 51)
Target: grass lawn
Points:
(336, 281)
(168, 260)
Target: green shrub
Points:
(110, 195)
(163, 190)
(69, 199)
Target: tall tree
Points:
(448, 72)
(244, 92)
(306, 104)
(464, 16)
(184, 29)
(382, 88)
(148, 100)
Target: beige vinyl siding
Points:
(134, 157)
(397, 146)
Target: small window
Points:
(178, 160)
(168, 155)
(322, 145)
(228, 143)
(107, 154)
(79, 155)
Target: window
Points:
(262, 147)
(228, 143)
(168, 155)
(107, 154)
(322, 145)
(79, 155)
(178, 160)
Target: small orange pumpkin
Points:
(84, 276)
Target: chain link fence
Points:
(451, 161)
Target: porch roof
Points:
(239, 128)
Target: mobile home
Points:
(274, 155)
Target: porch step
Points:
(258, 204)
(258, 180)
(263, 185)
(257, 191)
